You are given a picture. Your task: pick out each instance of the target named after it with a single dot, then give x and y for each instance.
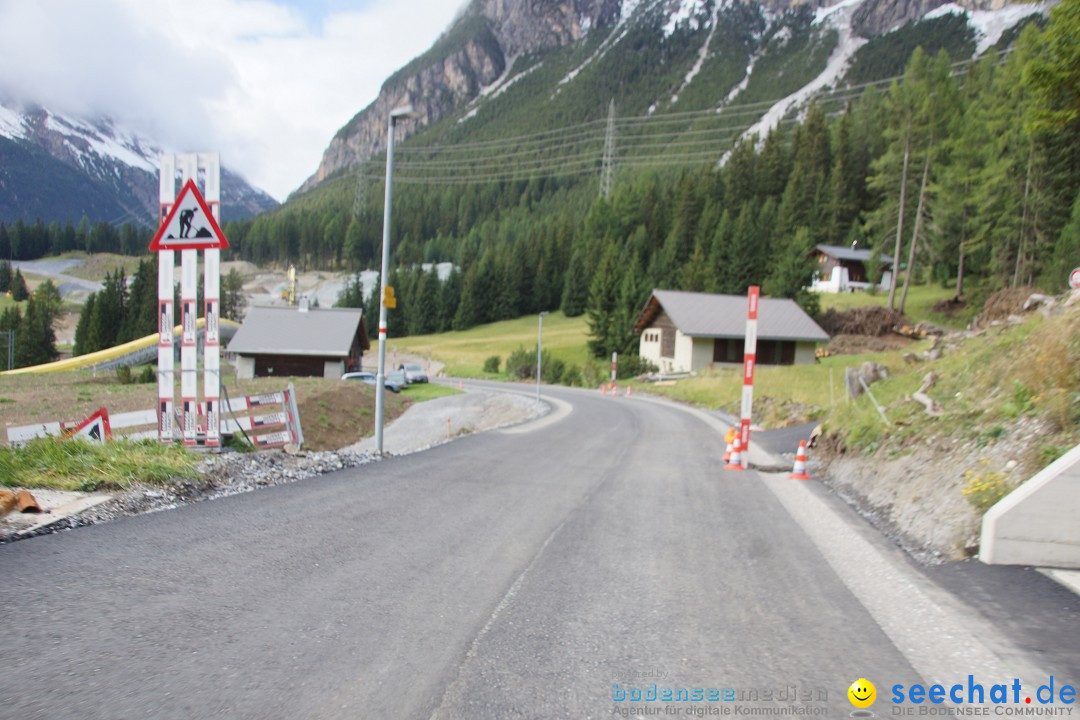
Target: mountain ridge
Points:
(478, 54)
(94, 168)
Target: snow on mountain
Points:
(840, 19)
(990, 24)
(120, 165)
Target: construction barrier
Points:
(269, 420)
(798, 472)
(735, 462)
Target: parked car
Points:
(369, 378)
(398, 378)
(414, 373)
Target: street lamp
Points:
(539, 351)
(401, 113)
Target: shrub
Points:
(553, 369)
(985, 487)
(572, 376)
(491, 365)
(631, 366)
(148, 374)
(123, 375)
(521, 364)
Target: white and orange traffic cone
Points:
(729, 438)
(461, 385)
(735, 461)
(799, 471)
(629, 391)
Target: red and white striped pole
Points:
(749, 361)
(614, 365)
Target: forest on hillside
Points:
(967, 173)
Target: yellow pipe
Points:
(96, 358)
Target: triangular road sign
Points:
(189, 225)
(94, 428)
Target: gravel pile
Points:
(221, 475)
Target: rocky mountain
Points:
(495, 43)
(54, 167)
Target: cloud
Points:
(261, 82)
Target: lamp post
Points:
(396, 114)
(539, 350)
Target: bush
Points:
(571, 376)
(631, 366)
(553, 370)
(148, 374)
(123, 375)
(521, 364)
(984, 488)
(491, 365)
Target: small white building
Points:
(843, 269)
(686, 331)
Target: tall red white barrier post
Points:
(189, 224)
(749, 361)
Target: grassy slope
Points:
(334, 414)
(464, 351)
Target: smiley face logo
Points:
(862, 693)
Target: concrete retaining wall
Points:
(1039, 522)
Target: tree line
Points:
(30, 241)
(965, 175)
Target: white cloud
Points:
(262, 83)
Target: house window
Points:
(727, 350)
(775, 352)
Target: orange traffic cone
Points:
(729, 439)
(799, 471)
(735, 462)
(629, 391)
(460, 385)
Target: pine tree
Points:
(576, 287)
(603, 304)
(449, 297)
(19, 292)
(5, 273)
(84, 340)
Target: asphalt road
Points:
(530, 573)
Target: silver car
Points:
(414, 373)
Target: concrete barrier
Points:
(1037, 524)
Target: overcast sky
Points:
(265, 82)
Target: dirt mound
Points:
(1003, 303)
(859, 344)
(950, 306)
(872, 320)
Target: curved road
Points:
(535, 572)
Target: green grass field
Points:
(421, 392)
(464, 352)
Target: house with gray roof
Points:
(298, 341)
(688, 331)
(843, 269)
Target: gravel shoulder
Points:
(441, 420)
(423, 426)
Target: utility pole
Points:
(608, 165)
